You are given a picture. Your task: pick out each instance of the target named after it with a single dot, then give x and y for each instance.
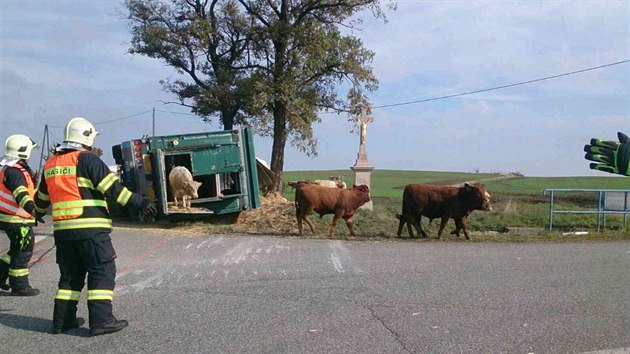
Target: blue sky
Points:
(60, 59)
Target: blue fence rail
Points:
(604, 204)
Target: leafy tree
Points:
(205, 40)
(301, 57)
(279, 62)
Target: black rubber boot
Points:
(4, 274)
(78, 322)
(28, 291)
(65, 312)
(111, 327)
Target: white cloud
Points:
(61, 59)
(479, 44)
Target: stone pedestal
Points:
(363, 173)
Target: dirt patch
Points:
(510, 207)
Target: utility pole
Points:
(44, 149)
(153, 121)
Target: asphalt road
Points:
(259, 294)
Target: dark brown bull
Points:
(343, 203)
(443, 202)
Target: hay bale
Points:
(276, 214)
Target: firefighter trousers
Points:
(76, 258)
(14, 264)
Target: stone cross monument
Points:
(362, 168)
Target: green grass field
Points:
(390, 183)
(520, 210)
(518, 203)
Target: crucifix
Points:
(362, 168)
(362, 121)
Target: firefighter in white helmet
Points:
(75, 182)
(17, 210)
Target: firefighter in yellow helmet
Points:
(75, 182)
(17, 209)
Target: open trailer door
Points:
(162, 186)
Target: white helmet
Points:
(80, 130)
(19, 146)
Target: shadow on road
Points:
(34, 324)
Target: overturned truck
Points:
(223, 162)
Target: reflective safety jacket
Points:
(17, 189)
(76, 183)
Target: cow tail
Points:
(404, 210)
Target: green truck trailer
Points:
(223, 161)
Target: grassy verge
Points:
(520, 210)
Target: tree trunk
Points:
(279, 143)
(280, 104)
(227, 118)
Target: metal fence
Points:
(609, 201)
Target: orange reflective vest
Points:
(13, 212)
(69, 209)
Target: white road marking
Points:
(239, 253)
(155, 280)
(336, 263)
(335, 258)
(339, 252)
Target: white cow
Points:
(182, 185)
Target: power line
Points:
(182, 113)
(501, 87)
(108, 121)
(122, 118)
(57, 139)
(401, 103)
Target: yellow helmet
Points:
(19, 146)
(80, 130)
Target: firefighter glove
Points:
(39, 217)
(610, 156)
(147, 209)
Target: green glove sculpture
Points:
(612, 156)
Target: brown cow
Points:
(443, 202)
(343, 203)
(321, 182)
